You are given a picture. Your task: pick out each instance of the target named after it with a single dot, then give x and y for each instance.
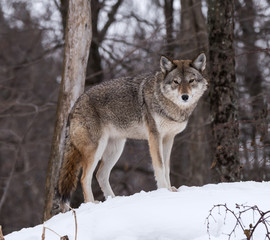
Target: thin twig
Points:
(1, 234)
(263, 220)
(43, 232)
(75, 218)
(53, 231)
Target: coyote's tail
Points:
(69, 172)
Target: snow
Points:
(161, 215)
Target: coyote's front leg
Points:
(155, 145)
(167, 143)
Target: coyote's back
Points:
(154, 107)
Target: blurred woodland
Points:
(128, 38)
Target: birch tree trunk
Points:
(223, 99)
(78, 36)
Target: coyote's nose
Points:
(185, 97)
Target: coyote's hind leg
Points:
(111, 155)
(90, 156)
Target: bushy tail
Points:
(69, 172)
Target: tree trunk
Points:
(193, 32)
(63, 11)
(192, 154)
(78, 37)
(223, 99)
(168, 13)
(193, 27)
(253, 81)
(95, 73)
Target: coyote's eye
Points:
(176, 82)
(191, 80)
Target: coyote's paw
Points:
(173, 189)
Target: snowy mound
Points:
(162, 215)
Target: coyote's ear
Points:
(199, 62)
(166, 64)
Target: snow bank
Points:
(160, 215)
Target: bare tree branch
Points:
(111, 19)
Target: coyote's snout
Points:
(151, 107)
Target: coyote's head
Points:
(183, 82)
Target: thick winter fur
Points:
(153, 107)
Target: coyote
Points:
(154, 107)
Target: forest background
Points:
(128, 38)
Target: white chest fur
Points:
(166, 126)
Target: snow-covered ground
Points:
(161, 215)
